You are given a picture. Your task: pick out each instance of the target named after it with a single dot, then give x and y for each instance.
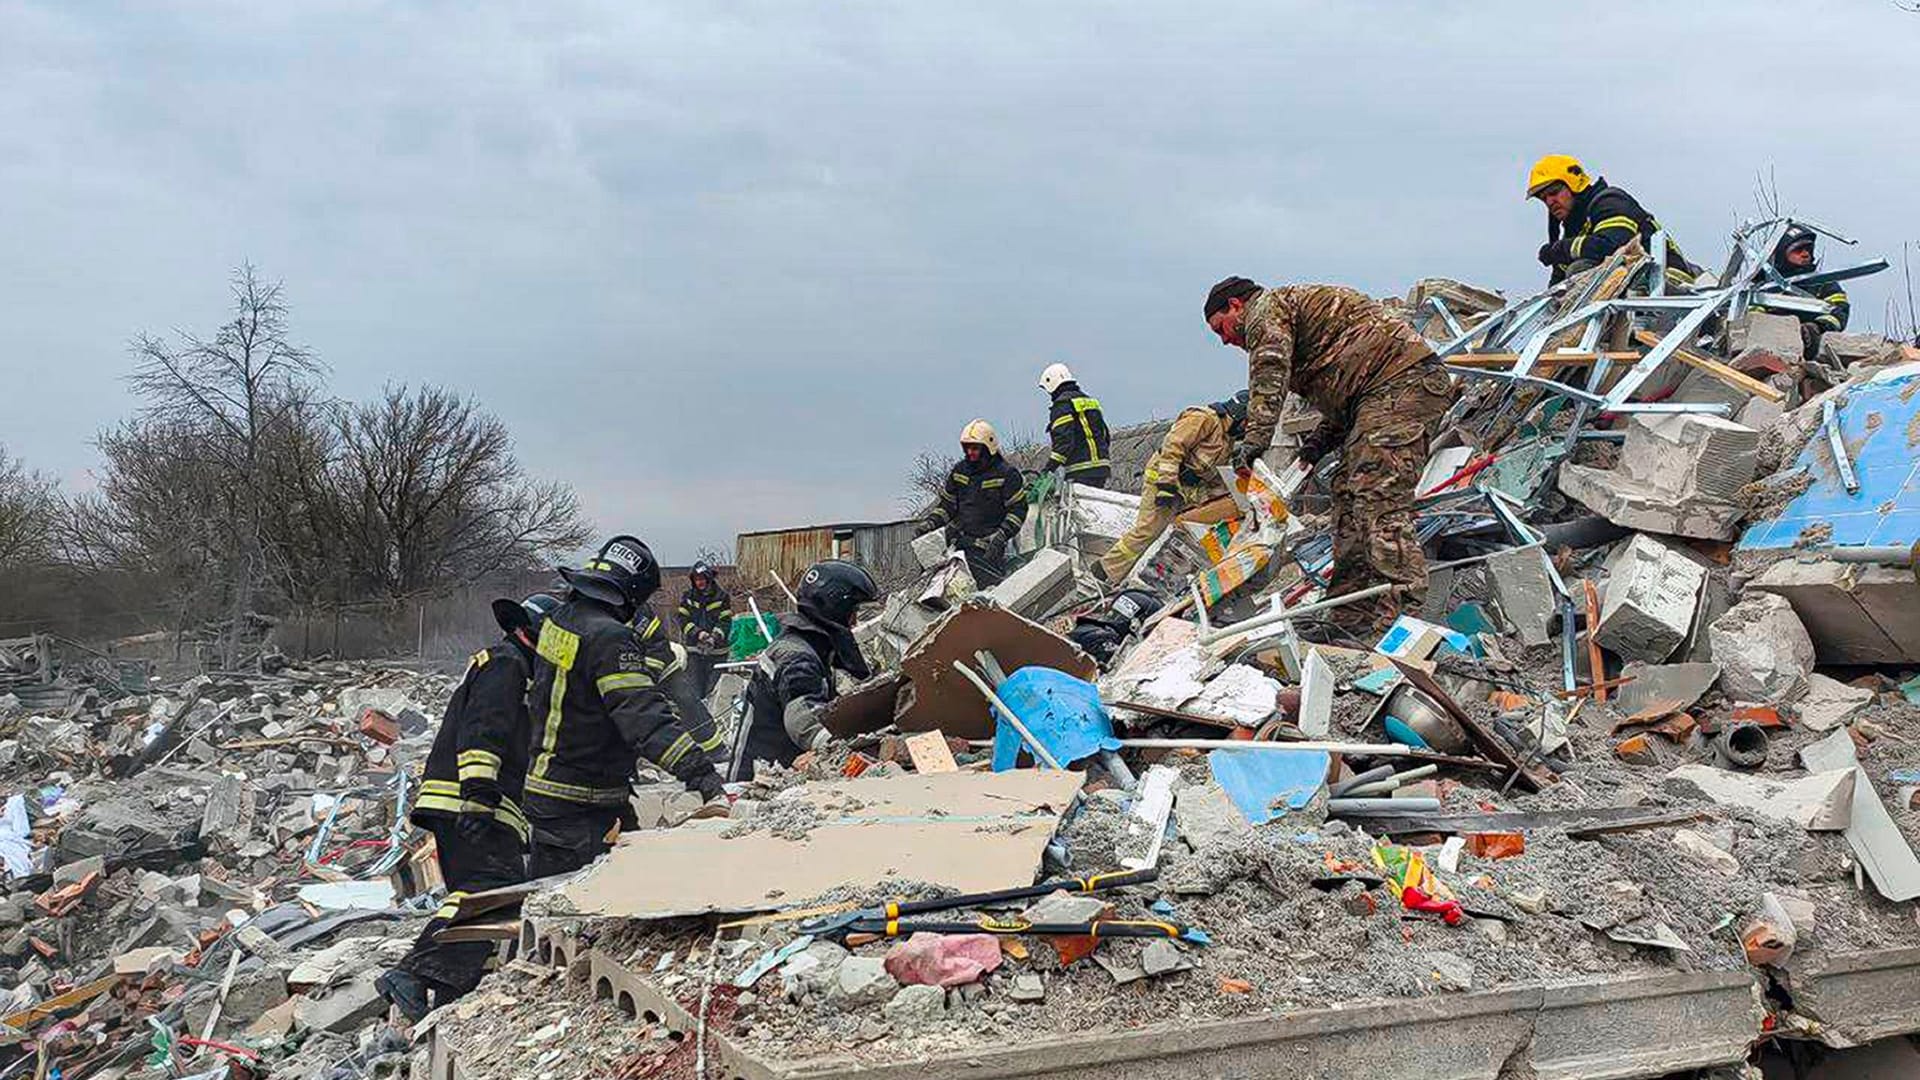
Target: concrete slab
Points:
(1678, 474)
(1871, 831)
(1829, 702)
(1822, 802)
(1041, 582)
(1520, 585)
(1681, 684)
(1651, 593)
(1637, 505)
(1827, 597)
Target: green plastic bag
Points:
(744, 638)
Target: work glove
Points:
(1556, 252)
(1192, 477)
(719, 807)
(1316, 444)
(1245, 454)
(1166, 497)
(707, 782)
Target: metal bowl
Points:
(1425, 718)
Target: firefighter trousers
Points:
(455, 968)
(565, 843)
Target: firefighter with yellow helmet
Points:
(982, 505)
(1589, 219)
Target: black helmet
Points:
(623, 574)
(1795, 236)
(1135, 606)
(1234, 409)
(701, 569)
(832, 589)
(525, 614)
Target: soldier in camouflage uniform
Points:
(1380, 393)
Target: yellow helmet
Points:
(979, 431)
(1557, 169)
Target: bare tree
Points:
(232, 395)
(431, 495)
(29, 510)
(714, 554)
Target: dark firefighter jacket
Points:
(1079, 432)
(1604, 218)
(982, 497)
(596, 702)
(483, 736)
(790, 686)
(1832, 293)
(700, 611)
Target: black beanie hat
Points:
(1233, 288)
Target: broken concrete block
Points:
(1706, 851)
(1820, 803)
(1829, 703)
(1650, 598)
(347, 1007)
(1856, 613)
(915, 1006)
(1676, 685)
(1524, 592)
(1040, 583)
(1163, 957)
(1450, 971)
(1872, 834)
(860, 981)
(930, 550)
(1846, 350)
(1678, 474)
(1763, 651)
(813, 970)
(1027, 988)
(1764, 331)
(1061, 906)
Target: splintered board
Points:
(974, 832)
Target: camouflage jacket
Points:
(1327, 343)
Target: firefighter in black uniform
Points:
(982, 505)
(1589, 219)
(683, 690)
(705, 614)
(1078, 429)
(469, 801)
(596, 702)
(1794, 256)
(793, 682)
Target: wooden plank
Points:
(929, 752)
(1735, 379)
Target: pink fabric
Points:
(943, 959)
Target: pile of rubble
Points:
(1650, 746)
(207, 876)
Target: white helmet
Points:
(979, 431)
(1055, 374)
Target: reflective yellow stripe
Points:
(995, 482)
(1062, 420)
(1574, 248)
(961, 478)
(554, 789)
(677, 751)
(719, 740)
(444, 796)
(1620, 222)
(479, 765)
(623, 680)
(1087, 466)
(1836, 298)
(551, 735)
(478, 660)
(653, 627)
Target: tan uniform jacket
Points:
(1326, 343)
(1190, 457)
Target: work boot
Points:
(404, 992)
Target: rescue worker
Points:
(596, 702)
(689, 703)
(468, 800)
(982, 506)
(792, 684)
(1077, 428)
(1183, 473)
(1589, 219)
(705, 614)
(1101, 633)
(1380, 393)
(1794, 256)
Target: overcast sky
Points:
(728, 266)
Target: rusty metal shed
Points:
(883, 547)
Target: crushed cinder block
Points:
(930, 550)
(1651, 593)
(1524, 593)
(1761, 332)
(1763, 651)
(860, 981)
(1678, 475)
(1845, 350)
(1830, 703)
(1041, 582)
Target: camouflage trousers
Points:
(1389, 429)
